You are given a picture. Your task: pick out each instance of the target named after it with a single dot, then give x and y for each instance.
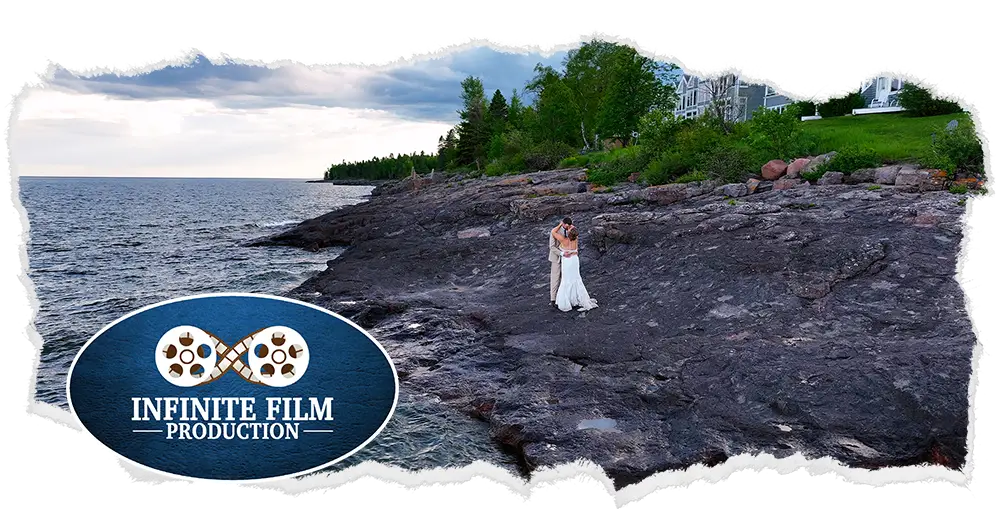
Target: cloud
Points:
(426, 90)
(72, 134)
(205, 118)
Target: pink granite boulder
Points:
(796, 167)
(773, 170)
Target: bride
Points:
(572, 292)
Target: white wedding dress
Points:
(572, 292)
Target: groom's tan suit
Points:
(555, 257)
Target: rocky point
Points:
(733, 319)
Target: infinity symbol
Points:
(187, 356)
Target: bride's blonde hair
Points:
(572, 234)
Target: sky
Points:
(217, 118)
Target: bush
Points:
(729, 161)
(958, 149)
(546, 156)
(841, 106)
(667, 167)
(576, 161)
(495, 168)
(918, 101)
(696, 139)
(776, 135)
(618, 168)
(958, 189)
(853, 158)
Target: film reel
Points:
(278, 356)
(187, 356)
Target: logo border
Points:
(392, 410)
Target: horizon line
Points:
(163, 177)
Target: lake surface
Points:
(100, 248)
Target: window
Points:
(769, 91)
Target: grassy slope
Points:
(895, 137)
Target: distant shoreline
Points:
(354, 182)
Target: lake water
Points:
(102, 247)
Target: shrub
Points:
(933, 160)
(959, 189)
(495, 168)
(667, 167)
(958, 149)
(546, 156)
(776, 135)
(918, 101)
(874, 188)
(576, 161)
(729, 161)
(698, 137)
(842, 105)
(618, 168)
(853, 158)
(693, 176)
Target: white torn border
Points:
(823, 479)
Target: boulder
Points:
(773, 170)
(752, 185)
(787, 184)
(908, 181)
(866, 175)
(817, 161)
(936, 181)
(886, 174)
(831, 177)
(912, 181)
(796, 167)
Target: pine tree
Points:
(498, 112)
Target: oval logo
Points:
(237, 387)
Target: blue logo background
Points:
(344, 364)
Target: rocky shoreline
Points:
(825, 320)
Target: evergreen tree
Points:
(473, 131)
(515, 111)
(498, 113)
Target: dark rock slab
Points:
(819, 319)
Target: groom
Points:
(555, 257)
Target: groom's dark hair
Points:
(567, 221)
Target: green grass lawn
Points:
(894, 137)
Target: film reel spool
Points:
(185, 355)
(278, 356)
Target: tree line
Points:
(600, 94)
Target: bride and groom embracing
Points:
(566, 289)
